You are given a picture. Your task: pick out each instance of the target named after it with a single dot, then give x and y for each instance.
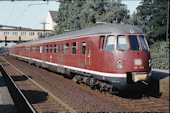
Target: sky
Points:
(31, 14)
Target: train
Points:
(107, 56)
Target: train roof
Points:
(100, 29)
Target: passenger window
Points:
(83, 48)
(134, 42)
(110, 46)
(51, 48)
(101, 42)
(122, 43)
(144, 45)
(66, 48)
(74, 46)
(40, 49)
(55, 49)
(46, 48)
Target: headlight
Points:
(150, 63)
(119, 64)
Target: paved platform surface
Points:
(6, 103)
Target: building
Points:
(15, 35)
(50, 23)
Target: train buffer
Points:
(6, 103)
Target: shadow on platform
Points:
(35, 97)
(8, 109)
(2, 83)
(19, 78)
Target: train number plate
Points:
(138, 62)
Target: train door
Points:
(43, 56)
(31, 52)
(88, 53)
(60, 58)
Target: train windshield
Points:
(134, 42)
(110, 45)
(144, 45)
(122, 43)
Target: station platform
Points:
(163, 77)
(6, 103)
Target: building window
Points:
(23, 33)
(31, 33)
(74, 46)
(83, 48)
(46, 48)
(15, 33)
(55, 48)
(6, 33)
(51, 48)
(66, 48)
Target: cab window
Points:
(110, 45)
(144, 45)
(122, 43)
(134, 42)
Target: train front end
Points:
(131, 58)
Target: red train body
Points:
(117, 54)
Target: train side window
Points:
(74, 46)
(46, 48)
(101, 42)
(40, 49)
(110, 46)
(66, 48)
(51, 48)
(83, 48)
(55, 48)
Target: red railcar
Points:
(116, 54)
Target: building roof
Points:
(53, 14)
(112, 29)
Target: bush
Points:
(160, 55)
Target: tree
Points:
(78, 14)
(154, 15)
(140, 23)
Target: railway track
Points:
(37, 98)
(136, 105)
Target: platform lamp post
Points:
(19, 39)
(6, 41)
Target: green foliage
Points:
(160, 55)
(78, 14)
(154, 15)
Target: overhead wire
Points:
(19, 17)
(10, 14)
